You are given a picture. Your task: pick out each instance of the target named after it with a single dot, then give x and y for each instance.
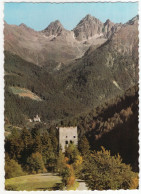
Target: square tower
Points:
(67, 135)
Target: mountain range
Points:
(71, 71)
(87, 77)
(38, 46)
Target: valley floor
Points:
(46, 181)
(40, 182)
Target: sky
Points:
(39, 15)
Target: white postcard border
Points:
(2, 190)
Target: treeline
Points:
(35, 150)
(113, 125)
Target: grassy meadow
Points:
(25, 93)
(35, 182)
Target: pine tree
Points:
(47, 150)
(35, 163)
(84, 146)
(27, 142)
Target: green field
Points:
(23, 92)
(36, 182)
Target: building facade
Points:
(67, 135)
(37, 119)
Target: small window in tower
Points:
(73, 136)
(66, 142)
(66, 136)
(70, 141)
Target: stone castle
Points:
(35, 119)
(67, 135)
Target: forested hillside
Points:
(54, 104)
(118, 115)
(115, 126)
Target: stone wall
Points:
(67, 135)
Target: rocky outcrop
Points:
(109, 28)
(126, 40)
(87, 28)
(54, 28)
(91, 26)
(134, 20)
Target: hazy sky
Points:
(39, 15)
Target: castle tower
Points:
(67, 135)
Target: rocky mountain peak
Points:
(56, 23)
(23, 25)
(54, 28)
(109, 28)
(108, 22)
(134, 20)
(88, 27)
(89, 17)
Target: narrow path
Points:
(82, 185)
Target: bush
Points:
(66, 173)
(84, 146)
(101, 171)
(12, 169)
(35, 163)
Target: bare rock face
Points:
(88, 27)
(91, 26)
(51, 47)
(126, 40)
(109, 28)
(54, 28)
(134, 20)
(55, 46)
